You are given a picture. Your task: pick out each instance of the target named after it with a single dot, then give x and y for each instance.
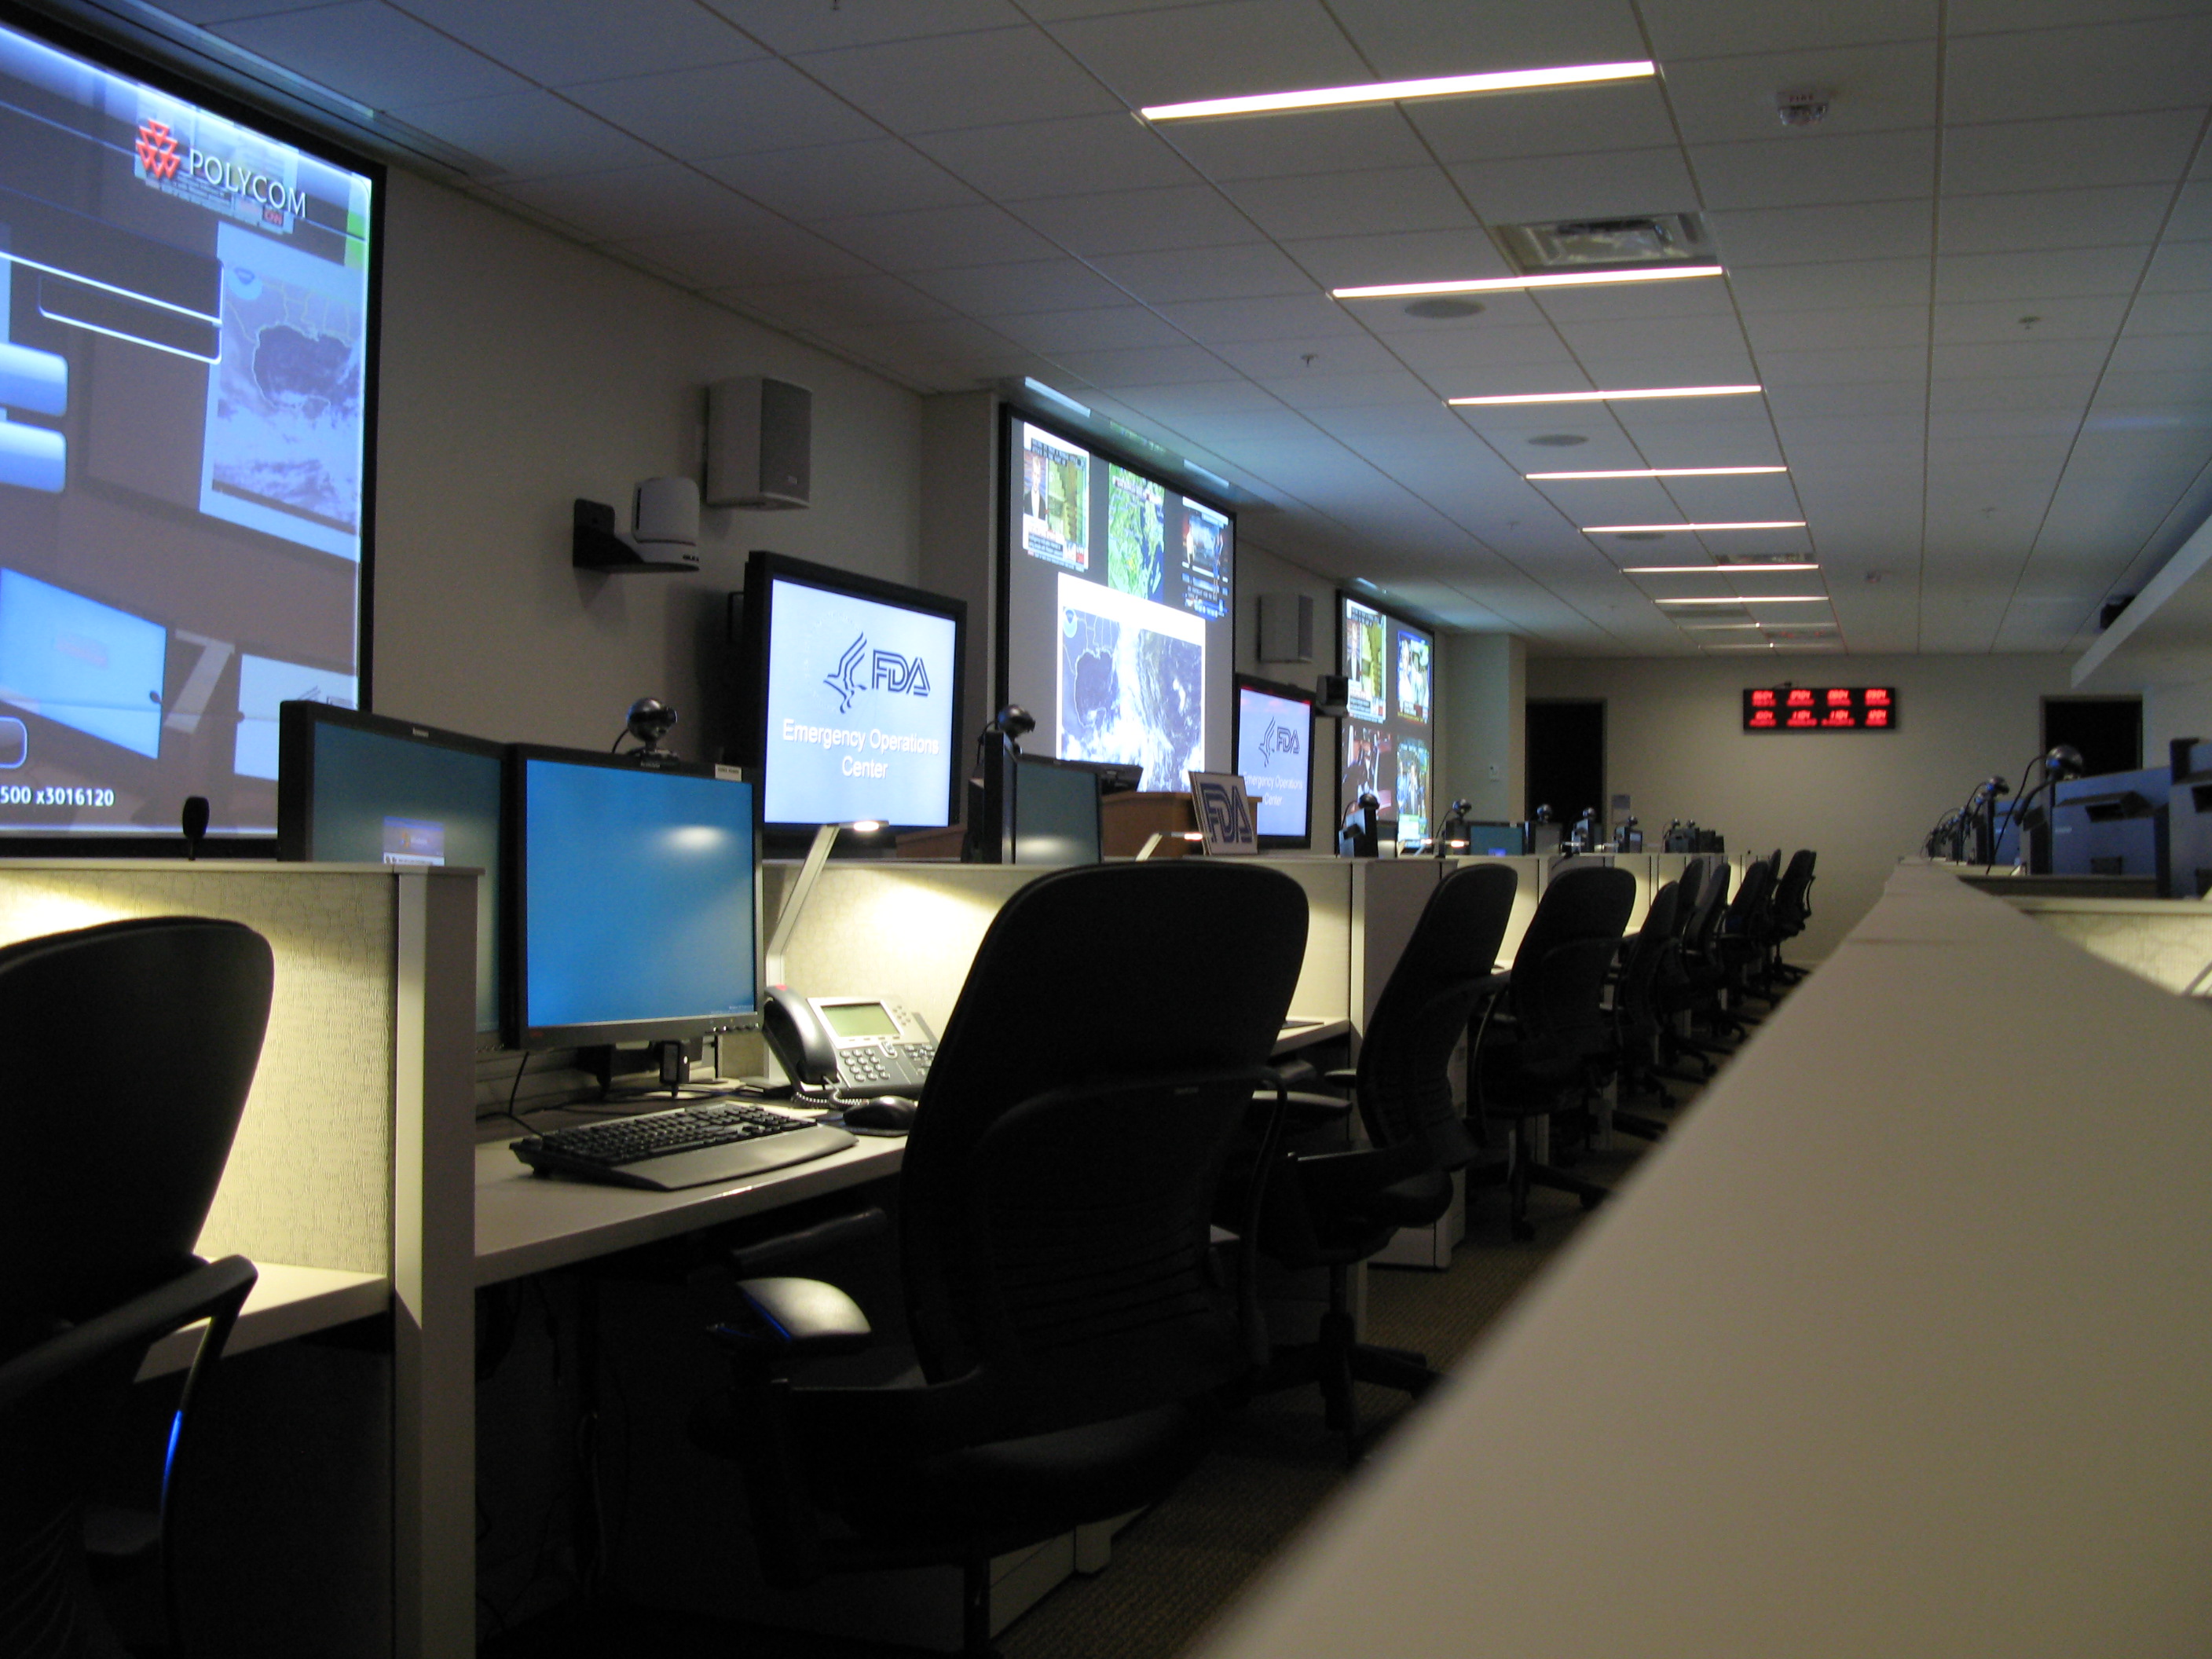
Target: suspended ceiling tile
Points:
(1855, 397)
(561, 42)
(1802, 168)
(947, 82)
(852, 299)
(1652, 302)
(2036, 357)
(1627, 371)
(1409, 38)
(939, 239)
(2162, 354)
(1502, 312)
(1373, 203)
(2192, 213)
(1135, 366)
(1619, 182)
(1221, 51)
(1348, 391)
(765, 252)
(2179, 312)
(1273, 360)
(1254, 271)
(1907, 363)
(1855, 230)
(373, 54)
(531, 134)
(2150, 64)
(1287, 317)
(1208, 409)
(1714, 28)
(1422, 256)
(1094, 329)
(1139, 221)
(1859, 328)
(733, 109)
(1296, 145)
(2180, 268)
(1028, 285)
(1457, 357)
(1024, 159)
(2070, 391)
(2058, 273)
(1847, 283)
(1545, 121)
(1718, 336)
(2179, 387)
(790, 28)
(2077, 152)
(2023, 220)
(635, 203)
(836, 181)
(2086, 317)
(1874, 88)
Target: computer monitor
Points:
(1497, 840)
(853, 698)
(634, 913)
(2189, 821)
(1274, 749)
(355, 788)
(2113, 824)
(1056, 813)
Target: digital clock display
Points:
(1820, 709)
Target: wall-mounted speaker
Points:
(1286, 627)
(760, 442)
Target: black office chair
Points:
(1792, 908)
(1538, 1055)
(1739, 944)
(103, 1192)
(1069, 1317)
(1337, 1208)
(1636, 1016)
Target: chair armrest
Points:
(210, 1290)
(751, 1261)
(792, 1319)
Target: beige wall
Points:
(1675, 745)
(1482, 735)
(519, 372)
(1259, 571)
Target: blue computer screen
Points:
(638, 909)
(859, 710)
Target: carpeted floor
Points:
(1180, 1564)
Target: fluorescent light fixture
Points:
(1647, 529)
(1663, 472)
(1605, 397)
(1777, 645)
(1754, 598)
(1388, 92)
(1715, 628)
(1706, 569)
(1549, 279)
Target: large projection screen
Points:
(1116, 614)
(187, 357)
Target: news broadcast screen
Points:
(186, 386)
(1388, 732)
(1117, 608)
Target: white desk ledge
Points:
(285, 1303)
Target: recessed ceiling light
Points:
(1702, 569)
(1440, 309)
(1557, 440)
(1603, 397)
(1660, 472)
(1754, 598)
(1548, 279)
(1669, 529)
(1388, 92)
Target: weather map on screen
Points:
(1117, 617)
(186, 357)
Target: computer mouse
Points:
(886, 1115)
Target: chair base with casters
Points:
(1522, 1171)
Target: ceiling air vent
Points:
(1653, 238)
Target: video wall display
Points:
(1388, 735)
(1117, 609)
(187, 363)
(1820, 709)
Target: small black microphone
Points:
(194, 822)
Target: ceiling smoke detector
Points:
(1637, 239)
(1800, 106)
(1444, 307)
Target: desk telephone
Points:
(854, 1045)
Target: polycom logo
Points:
(157, 149)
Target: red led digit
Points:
(1877, 696)
(1762, 718)
(1802, 717)
(1839, 699)
(1762, 699)
(1840, 717)
(1801, 699)
(1877, 717)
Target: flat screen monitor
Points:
(634, 913)
(187, 397)
(1116, 608)
(1274, 752)
(354, 788)
(853, 697)
(1056, 813)
(1388, 735)
(1497, 840)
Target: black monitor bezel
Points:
(135, 59)
(1041, 762)
(514, 954)
(762, 570)
(1239, 683)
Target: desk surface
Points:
(1901, 1343)
(528, 1224)
(285, 1303)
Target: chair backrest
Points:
(1793, 894)
(106, 1185)
(1705, 915)
(1742, 920)
(1646, 954)
(1560, 970)
(1692, 882)
(1057, 1189)
(1405, 1091)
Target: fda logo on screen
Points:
(1225, 813)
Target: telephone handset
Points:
(854, 1045)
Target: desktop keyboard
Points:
(690, 1146)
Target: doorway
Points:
(2108, 731)
(1567, 757)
